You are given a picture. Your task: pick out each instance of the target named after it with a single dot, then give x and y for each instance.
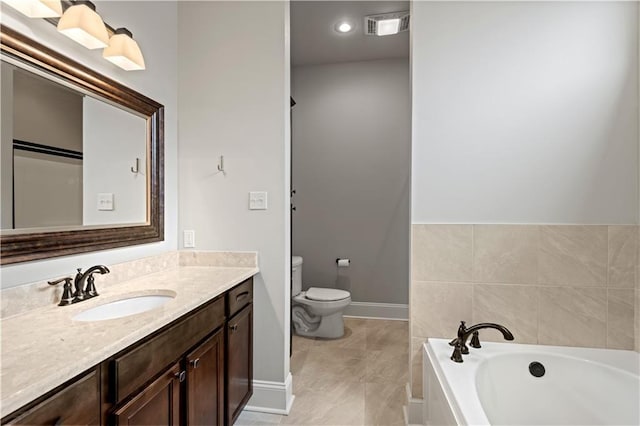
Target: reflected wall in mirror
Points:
(81, 157)
(71, 156)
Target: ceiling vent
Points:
(379, 24)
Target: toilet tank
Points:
(296, 275)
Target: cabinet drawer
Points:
(137, 366)
(240, 296)
(77, 403)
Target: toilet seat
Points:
(321, 294)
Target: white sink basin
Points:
(124, 307)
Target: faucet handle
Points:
(475, 340)
(90, 290)
(67, 294)
(67, 280)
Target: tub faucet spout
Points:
(460, 343)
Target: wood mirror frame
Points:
(28, 246)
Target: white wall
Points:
(113, 139)
(351, 146)
(154, 25)
(234, 101)
(525, 112)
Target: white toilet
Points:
(317, 312)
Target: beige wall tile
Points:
(514, 306)
(416, 366)
(505, 254)
(620, 318)
(438, 307)
(573, 316)
(573, 255)
(442, 252)
(623, 255)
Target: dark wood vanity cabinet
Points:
(156, 404)
(239, 362)
(239, 350)
(76, 402)
(197, 370)
(205, 382)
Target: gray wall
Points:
(6, 146)
(234, 101)
(56, 110)
(158, 38)
(351, 155)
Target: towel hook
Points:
(136, 169)
(221, 165)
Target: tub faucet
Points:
(81, 278)
(460, 343)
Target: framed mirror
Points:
(81, 157)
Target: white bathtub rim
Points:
(467, 392)
(438, 352)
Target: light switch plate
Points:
(105, 201)
(258, 200)
(189, 239)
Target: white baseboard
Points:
(413, 414)
(390, 311)
(272, 397)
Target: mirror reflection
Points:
(68, 159)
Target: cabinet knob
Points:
(195, 362)
(233, 327)
(181, 376)
(58, 422)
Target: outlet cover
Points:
(105, 201)
(189, 239)
(258, 200)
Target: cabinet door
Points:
(75, 404)
(157, 404)
(239, 362)
(205, 382)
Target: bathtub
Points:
(495, 385)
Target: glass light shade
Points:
(83, 25)
(37, 8)
(344, 27)
(387, 27)
(124, 52)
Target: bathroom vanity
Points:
(195, 368)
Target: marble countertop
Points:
(43, 348)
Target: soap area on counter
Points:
(45, 345)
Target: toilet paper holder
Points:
(343, 262)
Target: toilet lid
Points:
(326, 294)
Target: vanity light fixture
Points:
(37, 8)
(124, 51)
(386, 23)
(81, 23)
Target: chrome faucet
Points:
(460, 343)
(81, 278)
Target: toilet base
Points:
(331, 327)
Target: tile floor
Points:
(358, 379)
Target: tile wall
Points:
(569, 285)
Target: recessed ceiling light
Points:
(343, 27)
